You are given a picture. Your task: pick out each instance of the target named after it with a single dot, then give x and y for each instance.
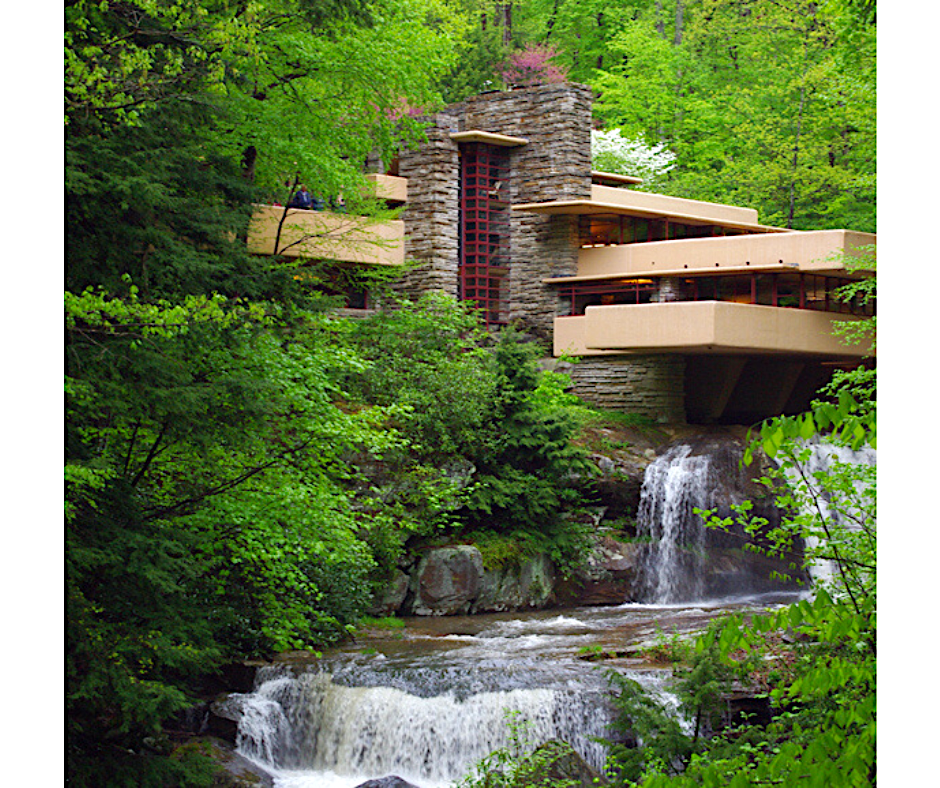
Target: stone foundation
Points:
(651, 386)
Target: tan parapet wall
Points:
(327, 236)
(568, 338)
(389, 187)
(815, 251)
(709, 327)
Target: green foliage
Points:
(520, 764)
(206, 483)
(526, 458)
(429, 359)
(661, 745)
(205, 517)
(386, 622)
(769, 105)
(457, 394)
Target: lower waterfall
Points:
(309, 722)
(430, 706)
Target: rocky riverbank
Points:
(454, 579)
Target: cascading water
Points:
(381, 730)
(674, 485)
(823, 458)
(430, 706)
(683, 560)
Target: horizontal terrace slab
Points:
(703, 327)
(817, 251)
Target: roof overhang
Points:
(614, 179)
(594, 208)
(475, 135)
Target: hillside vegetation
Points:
(219, 419)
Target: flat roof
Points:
(475, 135)
(595, 208)
(614, 178)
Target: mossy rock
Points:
(234, 770)
(556, 764)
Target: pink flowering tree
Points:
(533, 66)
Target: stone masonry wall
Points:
(652, 386)
(431, 215)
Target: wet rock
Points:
(392, 781)
(617, 484)
(448, 581)
(223, 717)
(517, 587)
(608, 578)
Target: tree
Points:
(766, 104)
(533, 65)
(170, 105)
(611, 152)
(206, 507)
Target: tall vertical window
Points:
(484, 229)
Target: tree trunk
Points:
(507, 24)
(796, 152)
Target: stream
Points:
(428, 701)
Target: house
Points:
(681, 310)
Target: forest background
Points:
(901, 161)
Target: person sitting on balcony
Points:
(302, 199)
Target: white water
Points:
(355, 733)
(428, 707)
(823, 457)
(673, 486)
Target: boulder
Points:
(392, 781)
(234, 770)
(448, 580)
(617, 484)
(530, 584)
(393, 596)
(608, 577)
(224, 715)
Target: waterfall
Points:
(673, 486)
(337, 721)
(824, 458)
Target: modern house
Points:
(677, 309)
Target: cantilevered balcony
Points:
(703, 327)
(391, 188)
(816, 251)
(325, 235)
